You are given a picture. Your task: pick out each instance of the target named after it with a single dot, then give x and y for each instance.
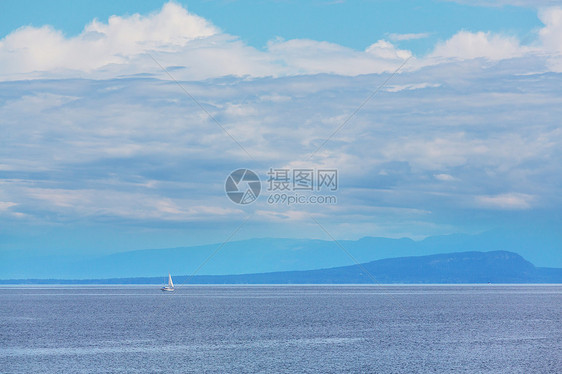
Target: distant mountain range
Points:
(464, 267)
(268, 255)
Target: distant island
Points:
(265, 255)
(450, 268)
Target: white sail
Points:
(170, 285)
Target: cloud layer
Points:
(141, 150)
(471, 127)
(196, 49)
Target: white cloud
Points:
(304, 56)
(411, 36)
(413, 86)
(499, 3)
(445, 177)
(5, 205)
(510, 201)
(125, 204)
(30, 49)
(141, 149)
(176, 38)
(287, 215)
(468, 45)
(384, 49)
(551, 36)
(195, 49)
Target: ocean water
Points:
(282, 329)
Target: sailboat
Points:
(170, 286)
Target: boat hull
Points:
(167, 289)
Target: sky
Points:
(121, 121)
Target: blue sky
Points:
(102, 151)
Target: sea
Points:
(282, 329)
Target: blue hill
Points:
(465, 267)
(268, 255)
